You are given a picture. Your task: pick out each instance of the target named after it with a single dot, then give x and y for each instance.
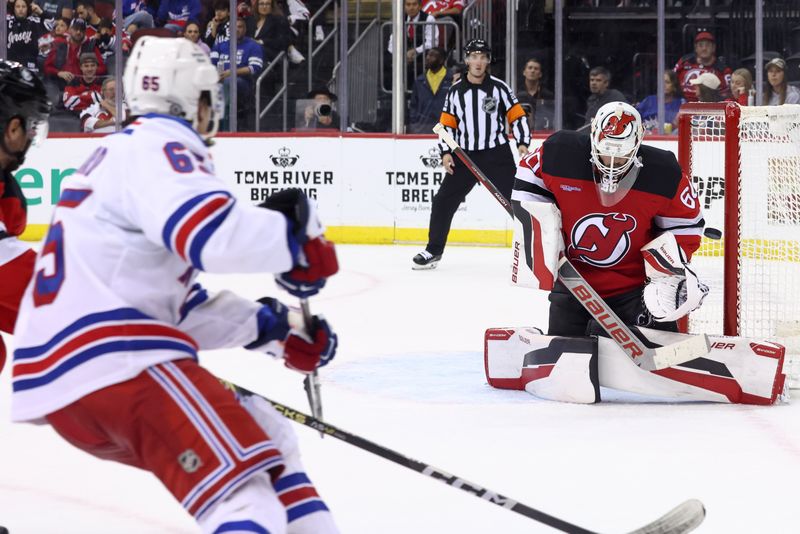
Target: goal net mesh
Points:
(768, 218)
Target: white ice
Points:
(409, 376)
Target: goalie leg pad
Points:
(736, 370)
(555, 368)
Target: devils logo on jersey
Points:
(616, 126)
(602, 239)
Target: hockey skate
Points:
(426, 260)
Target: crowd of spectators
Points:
(72, 43)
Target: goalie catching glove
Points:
(315, 259)
(673, 289)
(281, 332)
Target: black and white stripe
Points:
(480, 113)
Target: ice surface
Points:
(409, 376)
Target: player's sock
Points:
(426, 260)
(305, 509)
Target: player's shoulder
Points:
(663, 173)
(158, 128)
(500, 83)
(566, 154)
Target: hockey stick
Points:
(449, 141)
(645, 357)
(311, 381)
(681, 519)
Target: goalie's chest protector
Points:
(604, 242)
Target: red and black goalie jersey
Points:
(603, 242)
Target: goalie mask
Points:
(616, 136)
(171, 76)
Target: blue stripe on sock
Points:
(303, 510)
(241, 526)
(289, 481)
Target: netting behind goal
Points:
(745, 163)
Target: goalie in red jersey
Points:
(624, 214)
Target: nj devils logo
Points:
(616, 127)
(602, 239)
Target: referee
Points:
(475, 111)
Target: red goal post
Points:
(745, 164)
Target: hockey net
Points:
(745, 164)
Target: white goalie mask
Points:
(168, 76)
(617, 133)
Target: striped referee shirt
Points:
(475, 115)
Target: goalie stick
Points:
(645, 357)
(482, 178)
(682, 519)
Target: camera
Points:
(323, 110)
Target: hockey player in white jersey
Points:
(110, 327)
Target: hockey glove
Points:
(317, 262)
(673, 289)
(300, 211)
(281, 332)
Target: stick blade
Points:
(683, 518)
(678, 353)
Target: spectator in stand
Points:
(742, 87)
(219, 28)
(444, 10)
(100, 117)
(706, 87)
(52, 10)
(457, 71)
(599, 80)
(320, 113)
(175, 14)
(57, 34)
(24, 31)
(192, 32)
(63, 64)
(429, 92)
(249, 64)
(137, 14)
(703, 59)
(85, 10)
(270, 30)
(535, 98)
(778, 92)
(418, 38)
(105, 41)
(648, 107)
(83, 90)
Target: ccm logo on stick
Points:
(604, 318)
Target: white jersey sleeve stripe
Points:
(189, 228)
(671, 222)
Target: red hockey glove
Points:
(303, 355)
(319, 263)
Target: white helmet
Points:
(616, 132)
(168, 75)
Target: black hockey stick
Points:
(311, 381)
(482, 178)
(645, 357)
(681, 519)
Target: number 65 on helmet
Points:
(172, 76)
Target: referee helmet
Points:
(477, 45)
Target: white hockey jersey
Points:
(113, 291)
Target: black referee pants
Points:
(496, 163)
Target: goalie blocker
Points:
(572, 369)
